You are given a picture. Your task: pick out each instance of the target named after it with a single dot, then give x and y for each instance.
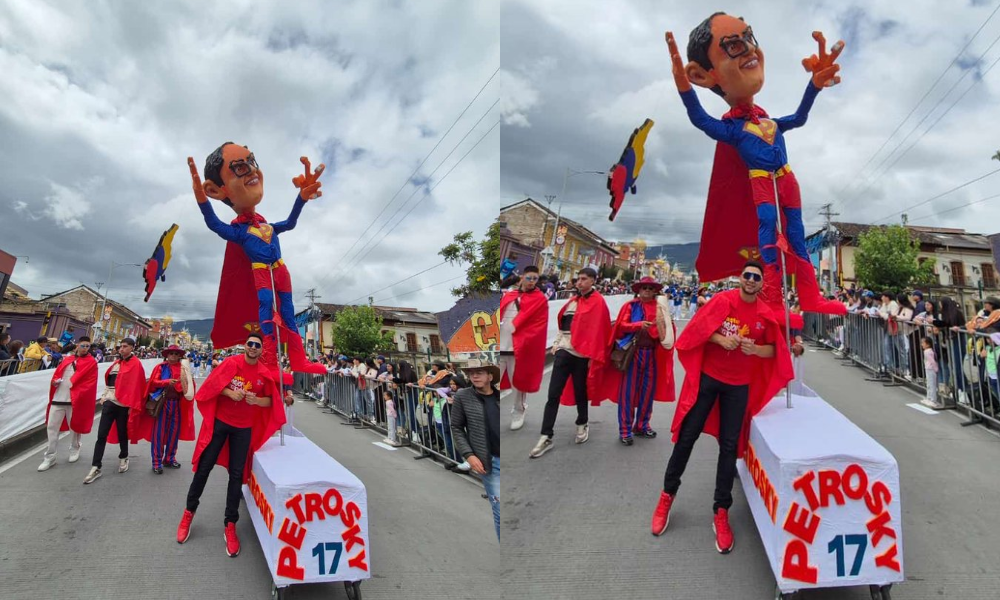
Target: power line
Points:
(415, 171)
(956, 208)
(875, 175)
(945, 193)
(371, 294)
(421, 289)
(439, 182)
(922, 98)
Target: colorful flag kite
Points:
(156, 266)
(622, 176)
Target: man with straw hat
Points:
(475, 427)
(170, 386)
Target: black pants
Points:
(565, 366)
(732, 409)
(239, 445)
(111, 414)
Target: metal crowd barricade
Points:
(415, 422)
(965, 360)
(9, 366)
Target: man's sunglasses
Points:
(531, 279)
(243, 167)
(647, 287)
(736, 46)
(748, 276)
(253, 345)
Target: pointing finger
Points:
(194, 170)
(305, 161)
(818, 36)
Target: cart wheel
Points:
(278, 593)
(353, 589)
(886, 595)
(778, 595)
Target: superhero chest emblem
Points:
(765, 130)
(263, 231)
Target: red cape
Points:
(130, 389)
(267, 420)
(729, 233)
(83, 394)
(236, 310)
(531, 326)
(141, 425)
(589, 335)
(612, 380)
(769, 374)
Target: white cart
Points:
(310, 514)
(825, 497)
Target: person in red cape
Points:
(176, 419)
(650, 373)
(72, 399)
(253, 268)
(751, 161)
(238, 416)
(735, 360)
(581, 351)
(524, 324)
(125, 384)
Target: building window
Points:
(411, 342)
(435, 344)
(989, 275)
(958, 273)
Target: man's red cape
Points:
(236, 310)
(130, 388)
(729, 233)
(141, 425)
(531, 326)
(664, 359)
(589, 335)
(267, 420)
(768, 377)
(83, 394)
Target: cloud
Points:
(517, 97)
(66, 206)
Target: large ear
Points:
(213, 191)
(699, 76)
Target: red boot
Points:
(297, 354)
(269, 355)
(808, 289)
(770, 292)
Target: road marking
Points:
(27, 454)
(386, 446)
(922, 408)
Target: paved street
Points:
(431, 532)
(576, 521)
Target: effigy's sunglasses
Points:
(242, 168)
(736, 46)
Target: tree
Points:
(887, 259)
(144, 341)
(483, 260)
(357, 331)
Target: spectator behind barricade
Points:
(441, 410)
(931, 368)
(887, 312)
(380, 364)
(4, 351)
(390, 413)
(33, 355)
(908, 340)
(990, 354)
(985, 318)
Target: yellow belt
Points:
(755, 173)
(265, 265)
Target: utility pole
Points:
(828, 214)
(314, 320)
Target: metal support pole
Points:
(277, 351)
(784, 284)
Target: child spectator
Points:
(931, 369)
(390, 413)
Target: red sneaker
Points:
(184, 529)
(232, 541)
(724, 541)
(661, 516)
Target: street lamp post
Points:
(104, 303)
(550, 251)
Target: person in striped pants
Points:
(173, 380)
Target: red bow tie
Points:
(751, 113)
(254, 219)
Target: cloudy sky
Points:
(103, 102)
(583, 74)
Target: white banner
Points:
(24, 397)
(824, 495)
(310, 513)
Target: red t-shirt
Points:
(241, 414)
(732, 366)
